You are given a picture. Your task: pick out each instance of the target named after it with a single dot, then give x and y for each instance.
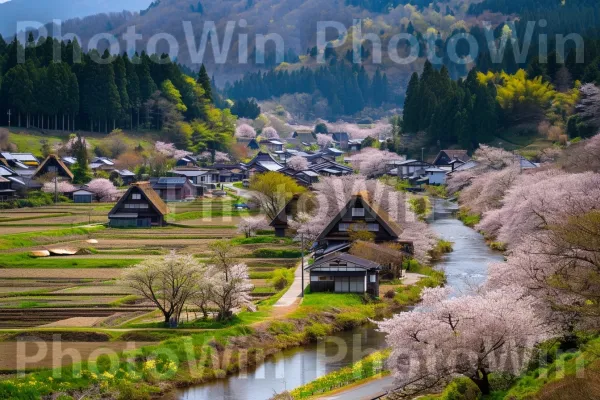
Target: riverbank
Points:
(464, 267)
(155, 371)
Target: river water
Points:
(465, 266)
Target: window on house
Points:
(373, 227)
(343, 227)
(136, 196)
(373, 278)
(358, 212)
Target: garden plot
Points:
(9, 356)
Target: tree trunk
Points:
(131, 119)
(482, 382)
(19, 119)
(63, 122)
(138, 120)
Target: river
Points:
(465, 266)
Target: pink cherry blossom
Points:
(372, 162)
(221, 157)
(269, 133)
(245, 131)
(169, 150)
(324, 141)
(298, 163)
(103, 189)
(249, 225)
(378, 130)
(61, 187)
(474, 335)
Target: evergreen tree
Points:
(204, 81)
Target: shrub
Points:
(317, 331)
(461, 389)
(468, 218)
(437, 191)
(281, 278)
(276, 253)
(419, 205)
(390, 294)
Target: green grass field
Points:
(24, 260)
(31, 140)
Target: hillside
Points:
(294, 20)
(46, 11)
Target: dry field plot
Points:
(87, 350)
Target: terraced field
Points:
(86, 290)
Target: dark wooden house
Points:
(281, 222)
(140, 207)
(357, 215)
(445, 157)
(53, 165)
(7, 193)
(175, 189)
(344, 273)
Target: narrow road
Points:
(292, 294)
(367, 391)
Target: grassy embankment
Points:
(209, 354)
(562, 375)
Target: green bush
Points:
(317, 331)
(468, 218)
(458, 389)
(35, 199)
(281, 278)
(419, 205)
(276, 253)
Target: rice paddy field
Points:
(85, 291)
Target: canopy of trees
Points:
(104, 92)
(462, 112)
(347, 88)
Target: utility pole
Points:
(9, 113)
(302, 244)
(422, 153)
(56, 189)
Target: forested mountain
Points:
(347, 88)
(99, 95)
(47, 10)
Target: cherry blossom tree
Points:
(377, 130)
(487, 190)
(169, 150)
(589, 104)
(298, 163)
(221, 157)
(168, 282)
(474, 336)
(249, 225)
(60, 187)
(325, 141)
(372, 162)
(581, 157)
(245, 131)
(489, 157)
(269, 133)
(103, 189)
(232, 291)
(542, 200)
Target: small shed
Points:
(344, 273)
(82, 196)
